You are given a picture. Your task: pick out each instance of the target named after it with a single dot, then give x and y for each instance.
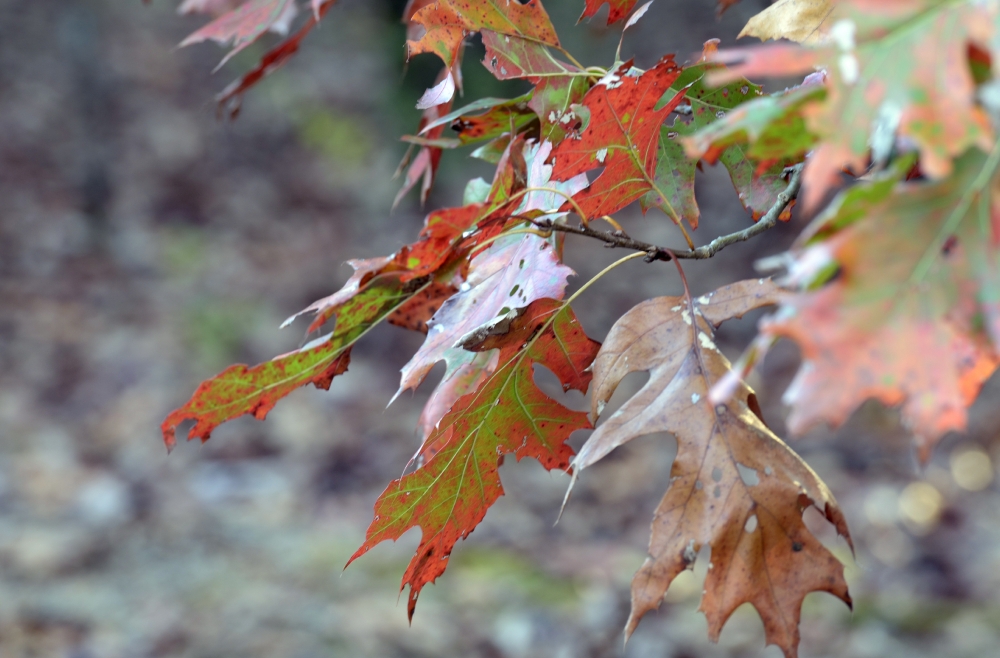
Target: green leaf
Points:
(240, 389)
(771, 126)
(757, 181)
(892, 69)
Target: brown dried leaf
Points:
(734, 486)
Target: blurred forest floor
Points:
(146, 244)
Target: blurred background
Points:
(145, 244)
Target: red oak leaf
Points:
(449, 495)
(621, 136)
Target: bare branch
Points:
(613, 239)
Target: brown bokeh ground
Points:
(145, 245)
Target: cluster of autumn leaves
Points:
(892, 291)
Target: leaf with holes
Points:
(921, 328)
(621, 136)
(558, 85)
(554, 100)
(734, 485)
(510, 57)
(449, 494)
(767, 128)
(447, 22)
(757, 182)
(513, 272)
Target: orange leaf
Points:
(907, 318)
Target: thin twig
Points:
(613, 239)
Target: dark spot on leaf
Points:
(949, 245)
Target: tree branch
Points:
(613, 239)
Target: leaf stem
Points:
(594, 279)
(546, 233)
(570, 57)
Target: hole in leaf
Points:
(550, 385)
(822, 529)
(748, 475)
(627, 388)
(594, 174)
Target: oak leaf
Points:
(511, 274)
(448, 22)
(405, 289)
(240, 389)
(509, 57)
(757, 181)
(805, 21)
(892, 68)
(909, 316)
(245, 24)
(617, 9)
(734, 485)
(770, 128)
(621, 136)
(558, 85)
(449, 494)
